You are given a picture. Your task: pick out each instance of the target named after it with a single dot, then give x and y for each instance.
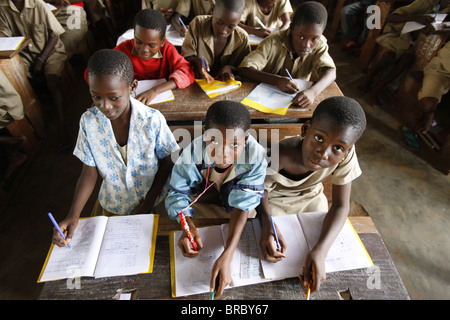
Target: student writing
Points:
(219, 40)
(125, 142)
(325, 148)
(301, 49)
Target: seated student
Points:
(354, 24)
(189, 9)
(72, 17)
(125, 142)
(273, 14)
(166, 7)
(219, 40)
(154, 57)
(232, 161)
(397, 48)
(11, 109)
(34, 20)
(301, 49)
(325, 148)
(435, 84)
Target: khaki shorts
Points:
(434, 86)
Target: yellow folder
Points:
(217, 87)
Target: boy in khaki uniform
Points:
(211, 37)
(166, 7)
(301, 49)
(272, 15)
(189, 9)
(34, 20)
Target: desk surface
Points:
(157, 284)
(191, 103)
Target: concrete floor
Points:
(406, 198)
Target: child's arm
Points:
(177, 24)
(306, 98)
(286, 20)
(314, 268)
(221, 268)
(185, 245)
(40, 60)
(147, 96)
(257, 31)
(85, 186)
(165, 167)
(267, 236)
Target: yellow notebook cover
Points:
(152, 251)
(217, 87)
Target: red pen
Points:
(188, 231)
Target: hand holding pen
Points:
(204, 71)
(192, 243)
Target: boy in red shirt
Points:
(154, 57)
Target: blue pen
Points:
(275, 234)
(182, 23)
(289, 75)
(57, 228)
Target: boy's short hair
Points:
(232, 5)
(151, 19)
(345, 111)
(310, 12)
(229, 114)
(111, 62)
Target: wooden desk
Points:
(157, 284)
(191, 103)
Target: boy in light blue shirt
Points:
(226, 158)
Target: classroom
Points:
(177, 69)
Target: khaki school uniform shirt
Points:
(158, 4)
(11, 107)
(272, 20)
(199, 42)
(275, 53)
(287, 196)
(37, 23)
(193, 7)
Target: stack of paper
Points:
(10, 44)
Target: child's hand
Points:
(220, 274)
(261, 32)
(314, 270)
(287, 85)
(269, 246)
(37, 66)
(225, 73)
(424, 19)
(68, 227)
(185, 245)
(147, 96)
(304, 98)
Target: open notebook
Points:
(270, 99)
(217, 87)
(105, 247)
(192, 275)
(144, 85)
(10, 44)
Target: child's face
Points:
(224, 144)
(111, 95)
(305, 37)
(147, 42)
(326, 143)
(224, 22)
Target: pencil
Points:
(308, 292)
(275, 234)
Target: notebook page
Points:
(193, 275)
(346, 253)
(144, 85)
(10, 43)
(82, 258)
(245, 267)
(126, 246)
(296, 249)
